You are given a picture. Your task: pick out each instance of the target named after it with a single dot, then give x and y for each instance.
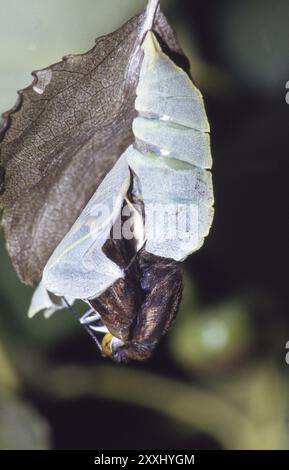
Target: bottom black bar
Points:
(129, 458)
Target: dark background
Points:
(219, 379)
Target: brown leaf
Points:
(64, 134)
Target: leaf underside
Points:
(63, 135)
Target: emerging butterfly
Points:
(152, 210)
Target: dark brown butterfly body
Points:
(140, 308)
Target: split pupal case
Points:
(169, 161)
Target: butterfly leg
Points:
(87, 321)
(89, 317)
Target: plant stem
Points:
(199, 408)
(151, 12)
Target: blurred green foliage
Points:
(21, 427)
(212, 339)
(219, 380)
